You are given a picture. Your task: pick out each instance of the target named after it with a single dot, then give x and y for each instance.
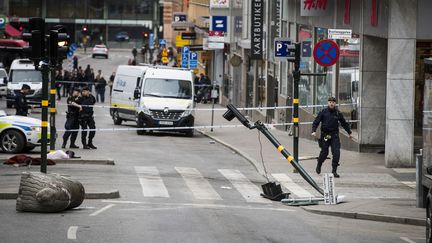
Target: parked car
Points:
(3, 82)
(19, 133)
(100, 50)
(122, 36)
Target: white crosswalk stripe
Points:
(289, 184)
(199, 186)
(249, 191)
(151, 181)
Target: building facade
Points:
(378, 80)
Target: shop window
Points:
(95, 9)
(25, 8)
(349, 76)
(306, 84)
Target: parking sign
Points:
(193, 63)
(185, 57)
(283, 49)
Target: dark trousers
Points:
(58, 89)
(334, 144)
(87, 123)
(100, 93)
(72, 123)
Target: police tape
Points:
(224, 109)
(115, 129)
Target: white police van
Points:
(153, 96)
(22, 71)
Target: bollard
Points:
(420, 192)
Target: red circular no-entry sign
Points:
(326, 53)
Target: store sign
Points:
(188, 35)
(219, 23)
(339, 34)
(180, 17)
(180, 42)
(329, 192)
(215, 45)
(219, 3)
(257, 29)
(315, 7)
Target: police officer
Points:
(87, 100)
(330, 118)
(20, 103)
(72, 119)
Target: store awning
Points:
(11, 31)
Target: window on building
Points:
(25, 8)
(95, 9)
(306, 85)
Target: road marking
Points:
(71, 234)
(289, 184)
(102, 209)
(411, 184)
(151, 183)
(199, 186)
(407, 239)
(405, 170)
(247, 189)
(195, 205)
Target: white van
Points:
(154, 96)
(22, 71)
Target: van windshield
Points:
(32, 76)
(168, 88)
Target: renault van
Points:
(22, 71)
(161, 97)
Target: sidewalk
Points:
(370, 188)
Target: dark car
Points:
(122, 36)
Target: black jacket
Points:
(330, 119)
(86, 102)
(73, 111)
(21, 105)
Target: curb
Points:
(113, 194)
(236, 150)
(78, 161)
(369, 216)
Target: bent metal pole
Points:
(262, 128)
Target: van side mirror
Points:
(5, 80)
(137, 93)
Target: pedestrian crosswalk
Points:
(225, 182)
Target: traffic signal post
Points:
(47, 54)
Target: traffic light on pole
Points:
(36, 49)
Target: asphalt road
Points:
(179, 189)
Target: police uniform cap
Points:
(76, 89)
(85, 88)
(332, 99)
(25, 86)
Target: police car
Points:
(19, 133)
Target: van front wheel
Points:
(116, 118)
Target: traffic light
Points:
(59, 44)
(84, 30)
(36, 39)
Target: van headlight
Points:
(10, 92)
(187, 112)
(36, 129)
(38, 92)
(144, 110)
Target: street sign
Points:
(329, 193)
(326, 53)
(283, 49)
(193, 63)
(162, 42)
(219, 23)
(188, 35)
(180, 17)
(151, 41)
(216, 45)
(2, 21)
(185, 56)
(339, 34)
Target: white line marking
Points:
(199, 186)
(407, 239)
(405, 170)
(293, 187)
(247, 189)
(71, 234)
(196, 205)
(102, 209)
(411, 184)
(151, 182)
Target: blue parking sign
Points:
(282, 48)
(193, 63)
(185, 57)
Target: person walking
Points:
(330, 118)
(75, 63)
(72, 119)
(111, 82)
(58, 83)
(100, 84)
(66, 83)
(87, 100)
(21, 105)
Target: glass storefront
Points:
(25, 8)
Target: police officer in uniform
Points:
(20, 103)
(87, 100)
(330, 118)
(72, 119)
